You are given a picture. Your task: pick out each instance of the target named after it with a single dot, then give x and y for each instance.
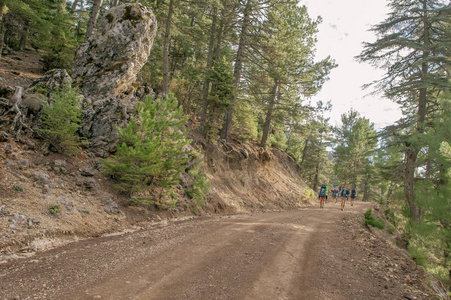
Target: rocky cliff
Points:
(105, 69)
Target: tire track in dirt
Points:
(260, 257)
(276, 255)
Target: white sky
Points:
(341, 35)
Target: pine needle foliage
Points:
(245, 125)
(221, 78)
(200, 187)
(152, 151)
(430, 242)
(60, 119)
(370, 220)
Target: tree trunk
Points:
(366, 187)
(412, 149)
(74, 5)
(316, 179)
(167, 37)
(80, 19)
(422, 99)
(2, 7)
(206, 88)
(272, 103)
(225, 131)
(93, 18)
(409, 178)
(443, 179)
(304, 152)
(23, 38)
(220, 36)
(354, 174)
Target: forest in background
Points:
(246, 70)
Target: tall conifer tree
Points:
(413, 44)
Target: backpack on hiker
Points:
(322, 191)
(353, 193)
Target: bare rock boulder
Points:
(107, 64)
(51, 80)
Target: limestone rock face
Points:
(107, 64)
(51, 80)
(98, 124)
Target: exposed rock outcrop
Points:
(20, 108)
(52, 80)
(107, 64)
(105, 69)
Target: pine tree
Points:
(413, 44)
(356, 142)
(152, 151)
(284, 63)
(221, 79)
(61, 118)
(308, 142)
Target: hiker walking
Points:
(345, 192)
(322, 195)
(335, 194)
(344, 196)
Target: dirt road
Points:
(309, 253)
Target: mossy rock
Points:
(109, 17)
(132, 13)
(33, 102)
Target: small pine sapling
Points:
(152, 151)
(60, 120)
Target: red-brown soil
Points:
(309, 253)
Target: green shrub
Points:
(54, 208)
(418, 253)
(200, 189)
(390, 215)
(60, 120)
(152, 152)
(278, 139)
(370, 220)
(18, 188)
(56, 60)
(391, 229)
(309, 193)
